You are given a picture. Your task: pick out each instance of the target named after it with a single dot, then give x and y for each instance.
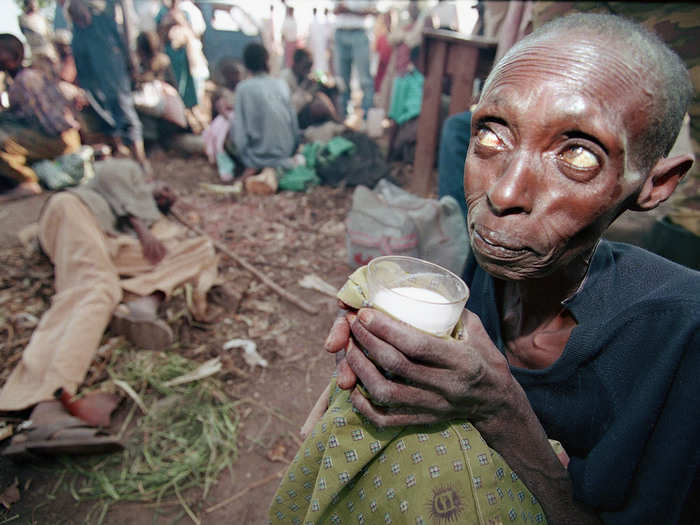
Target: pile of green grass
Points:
(186, 437)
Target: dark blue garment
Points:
(454, 142)
(624, 397)
(101, 63)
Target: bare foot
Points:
(24, 189)
(249, 172)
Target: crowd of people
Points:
(109, 85)
(567, 394)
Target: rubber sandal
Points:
(148, 333)
(66, 435)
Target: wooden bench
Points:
(463, 58)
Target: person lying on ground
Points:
(312, 105)
(38, 125)
(565, 336)
(115, 258)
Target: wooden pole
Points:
(252, 269)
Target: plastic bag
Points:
(391, 221)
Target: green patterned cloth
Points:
(350, 472)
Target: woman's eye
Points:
(580, 157)
(488, 138)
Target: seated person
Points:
(565, 336)
(158, 104)
(153, 63)
(38, 125)
(454, 143)
(115, 257)
(406, 100)
(264, 131)
(66, 63)
(312, 105)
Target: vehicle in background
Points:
(229, 29)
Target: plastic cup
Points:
(420, 293)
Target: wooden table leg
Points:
(427, 136)
(461, 65)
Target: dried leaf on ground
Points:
(10, 495)
(278, 452)
(314, 282)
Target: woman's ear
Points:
(661, 181)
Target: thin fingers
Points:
(338, 336)
(346, 378)
(390, 417)
(394, 361)
(417, 345)
(385, 392)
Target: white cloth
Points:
(194, 16)
(289, 29)
(318, 42)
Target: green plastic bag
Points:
(300, 178)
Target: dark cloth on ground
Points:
(366, 164)
(623, 397)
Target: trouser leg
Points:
(343, 59)
(87, 292)
(360, 53)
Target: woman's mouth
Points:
(488, 245)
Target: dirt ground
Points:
(287, 236)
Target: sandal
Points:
(52, 431)
(145, 332)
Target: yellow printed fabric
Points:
(350, 472)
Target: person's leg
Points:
(21, 146)
(343, 65)
(87, 292)
(454, 142)
(360, 55)
(188, 260)
(129, 128)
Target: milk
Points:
(425, 309)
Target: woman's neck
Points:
(532, 314)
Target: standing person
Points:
(264, 131)
(36, 30)
(318, 42)
(270, 40)
(105, 70)
(352, 48)
(329, 27)
(289, 36)
(38, 125)
(185, 51)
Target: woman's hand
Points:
(433, 379)
(337, 343)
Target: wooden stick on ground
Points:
(254, 485)
(252, 269)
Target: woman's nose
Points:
(513, 190)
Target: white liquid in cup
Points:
(424, 309)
